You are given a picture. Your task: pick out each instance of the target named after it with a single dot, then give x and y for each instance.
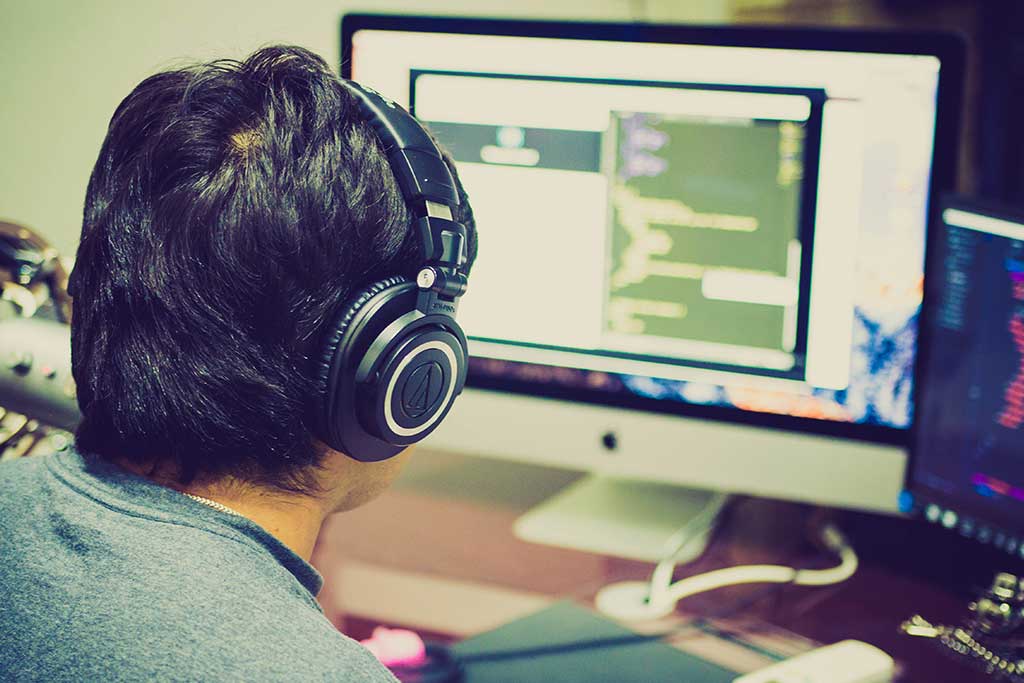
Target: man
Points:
(234, 207)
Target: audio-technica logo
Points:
(423, 390)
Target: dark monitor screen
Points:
(967, 469)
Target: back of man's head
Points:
(233, 209)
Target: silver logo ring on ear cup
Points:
(389, 416)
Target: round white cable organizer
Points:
(636, 600)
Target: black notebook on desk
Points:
(534, 652)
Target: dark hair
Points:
(233, 208)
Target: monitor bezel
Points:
(919, 490)
(949, 48)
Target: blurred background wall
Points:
(65, 65)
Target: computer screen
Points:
(966, 471)
(684, 219)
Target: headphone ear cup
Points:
(328, 363)
(387, 374)
(418, 382)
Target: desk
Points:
(437, 554)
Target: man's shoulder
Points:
(227, 622)
(309, 652)
(212, 645)
(269, 641)
(19, 470)
(20, 483)
(95, 591)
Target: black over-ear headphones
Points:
(394, 360)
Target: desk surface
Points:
(437, 553)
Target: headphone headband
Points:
(418, 164)
(430, 193)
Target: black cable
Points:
(723, 634)
(562, 648)
(445, 666)
(617, 641)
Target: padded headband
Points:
(430, 193)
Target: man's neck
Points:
(293, 519)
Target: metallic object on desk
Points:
(35, 371)
(991, 637)
(1000, 610)
(31, 272)
(37, 392)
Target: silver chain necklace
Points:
(213, 504)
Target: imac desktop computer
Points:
(701, 249)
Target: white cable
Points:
(769, 573)
(633, 600)
(697, 528)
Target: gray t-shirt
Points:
(106, 576)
